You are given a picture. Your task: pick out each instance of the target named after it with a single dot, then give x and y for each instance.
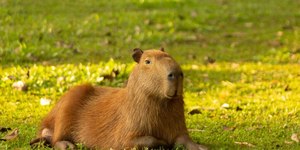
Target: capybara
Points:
(148, 112)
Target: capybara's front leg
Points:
(188, 143)
(64, 145)
(147, 141)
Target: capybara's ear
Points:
(162, 49)
(137, 54)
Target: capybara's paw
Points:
(40, 142)
(197, 147)
(202, 147)
(64, 145)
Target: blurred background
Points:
(52, 32)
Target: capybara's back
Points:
(148, 112)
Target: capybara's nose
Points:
(171, 76)
(174, 75)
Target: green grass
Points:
(65, 43)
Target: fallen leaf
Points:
(226, 128)
(63, 44)
(235, 65)
(148, 22)
(195, 111)
(209, 60)
(295, 138)
(4, 129)
(181, 17)
(21, 39)
(195, 67)
(208, 109)
(287, 27)
(194, 14)
(279, 33)
(114, 73)
(288, 142)
(248, 24)
(76, 51)
(28, 73)
(60, 79)
(32, 57)
(99, 79)
(296, 51)
(275, 43)
(244, 144)
(238, 108)
(11, 77)
(278, 146)
(287, 88)
(195, 130)
(192, 56)
(235, 34)
(223, 2)
(108, 77)
(20, 85)
(10, 136)
(108, 33)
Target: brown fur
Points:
(148, 112)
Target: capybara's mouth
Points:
(173, 95)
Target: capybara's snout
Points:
(174, 82)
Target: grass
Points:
(255, 44)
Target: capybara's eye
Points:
(147, 62)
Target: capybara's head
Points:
(156, 74)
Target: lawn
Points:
(241, 61)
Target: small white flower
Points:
(45, 101)
(225, 105)
(99, 79)
(195, 67)
(60, 79)
(20, 85)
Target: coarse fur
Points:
(148, 112)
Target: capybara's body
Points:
(148, 112)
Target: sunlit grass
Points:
(263, 107)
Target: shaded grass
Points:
(92, 31)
